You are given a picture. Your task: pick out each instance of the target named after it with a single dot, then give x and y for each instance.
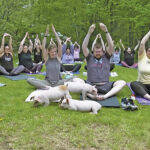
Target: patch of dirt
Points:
(5, 144)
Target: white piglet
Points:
(84, 88)
(51, 94)
(78, 80)
(77, 105)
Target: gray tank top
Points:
(53, 70)
(98, 70)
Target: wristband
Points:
(45, 35)
(106, 32)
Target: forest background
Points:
(128, 20)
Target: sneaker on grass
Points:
(132, 105)
(125, 104)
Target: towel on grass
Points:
(2, 84)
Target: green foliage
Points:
(128, 20)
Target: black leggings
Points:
(35, 68)
(73, 68)
(140, 88)
(78, 59)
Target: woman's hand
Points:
(47, 30)
(91, 28)
(103, 27)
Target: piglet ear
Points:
(61, 100)
(32, 98)
(67, 100)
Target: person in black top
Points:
(25, 59)
(37, 50)
(129, 56)
(6, 58)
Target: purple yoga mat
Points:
(140, 99)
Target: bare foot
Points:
(92, 96)
(147, 96)
(100, 97)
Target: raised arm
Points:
(44, 51)
(110, 47)
(58, 42)
(64, 46)
(86, 40)
(39, 42)
(71, 47)
(94, 42)
(30, 44)
(143, 42)
(101, 40)
(122, 45)
(119, 49)
(10, 44)
(2, 44)
(76, 43)
(136, 47)
(36, 41)
(22, 42)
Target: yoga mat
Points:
(109, 102)
(36, 73)
(118, 64)
(2, 84)
(78, 72)
(19, 77)
(140, 99)
(78, 62)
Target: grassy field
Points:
(23, 127)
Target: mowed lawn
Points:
(23, 127)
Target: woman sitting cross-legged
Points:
(52, 57)
(25, 59)
(142, 86)
(6, 58)
(68, 58)
(129, 56)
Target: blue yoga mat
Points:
(109, 102)
(36, 73)
(19, 77)
(2, 84)
(118, 64)
(78, 72)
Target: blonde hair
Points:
(51, 46)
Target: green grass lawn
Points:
(23, 127)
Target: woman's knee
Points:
(120, 82)
(22, 67)
(1, 67)
(133, 85)
(30, 80)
